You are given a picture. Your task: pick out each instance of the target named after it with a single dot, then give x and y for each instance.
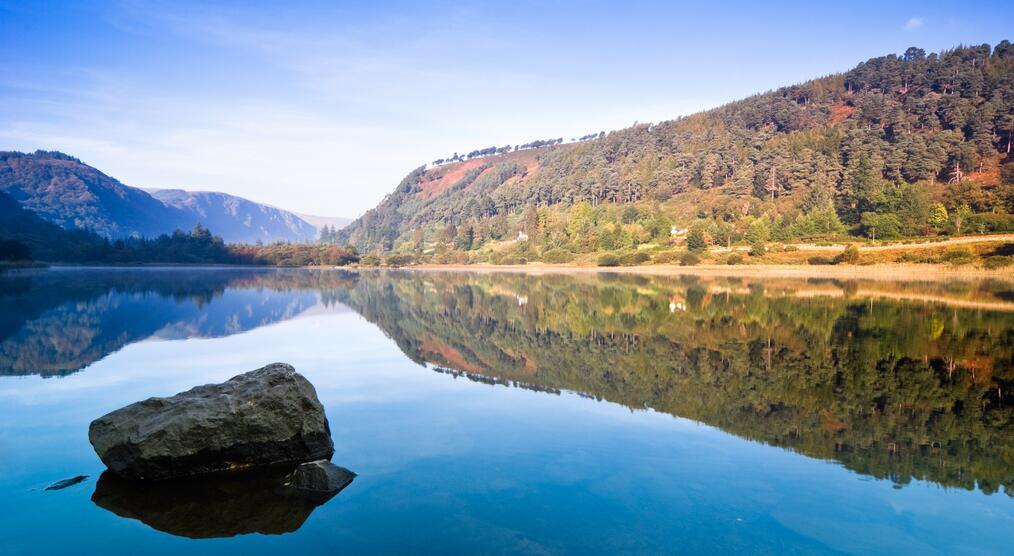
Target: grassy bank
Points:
(968, 255)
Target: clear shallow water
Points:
(522, 414)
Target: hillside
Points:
(236, 219)
(43, 240)
(910, 145)
(71, 194)
(63, 190)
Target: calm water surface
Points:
(502, 413)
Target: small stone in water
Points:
(62, 484)
(321, 476)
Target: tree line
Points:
(490, 151)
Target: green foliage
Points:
(557, 256)
(508, 258)
(666, 257)
(632, 259)
(880, 225)
(997, 262)
(608, 259)
(758, 249)
(370, 259)
(630, 214)
(987, 223)
(399, 260)
(820, 260)
(938, 217)
(758, 231)
(849, 256)
(960, 217)
(695, 240)
(690, 258)
(296, 254)
(917, 257)
(958, 256)
(1007, 172)
(819, 223)
(734, 259)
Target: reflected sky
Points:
(452, 464)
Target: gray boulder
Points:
(270, 416)
(321, 476)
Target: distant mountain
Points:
(236, 219)
(319, 222)
(65, 191)
(68, 192)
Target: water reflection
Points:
(54, 323)
(212, 507)
(899, 381)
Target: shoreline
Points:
(894, 271)
(921, 272)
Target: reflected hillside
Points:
(897, 381)
(54, 323)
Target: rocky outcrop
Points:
(270, 416)
(321, 476)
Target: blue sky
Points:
(323, 107)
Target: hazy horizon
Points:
(321, 110)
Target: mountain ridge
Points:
(237, 219)
(64, 190)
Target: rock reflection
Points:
(212, 507)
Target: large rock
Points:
(270, 416)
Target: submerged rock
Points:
(221, 505)
(270, 416)
(321, 476)
(64, 483)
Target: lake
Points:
(503, 413)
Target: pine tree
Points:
(695, 240)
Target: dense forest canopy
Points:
(909, 145)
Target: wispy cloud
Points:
(914, 23)
(322, 117)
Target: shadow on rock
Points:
(214, 506)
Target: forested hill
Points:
(71, 194)
(897, 146)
